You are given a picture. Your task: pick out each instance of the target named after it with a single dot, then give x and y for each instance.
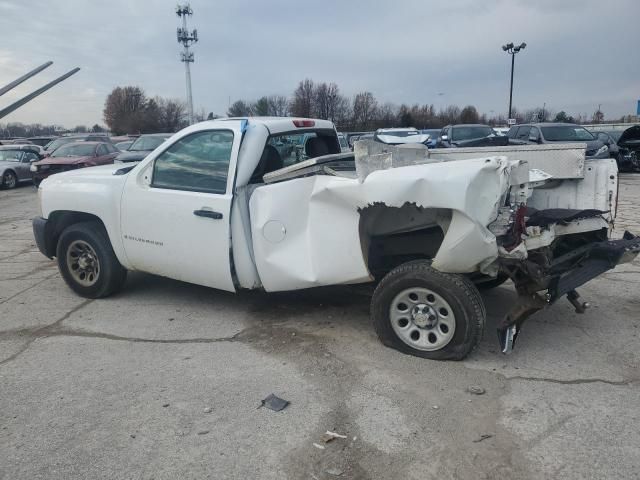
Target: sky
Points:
(579, 54)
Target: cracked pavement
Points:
(164, 380)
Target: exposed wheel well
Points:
(59, 220)
(391, 236)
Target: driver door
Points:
(176, 205)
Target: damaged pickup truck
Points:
(219, 205)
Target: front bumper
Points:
(43, 233)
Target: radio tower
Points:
(187, 38)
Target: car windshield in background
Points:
(58, 142)
(565, 134)
(146, 143)
(471, 133)
(76, 150)
(615, 134)
(9, 155)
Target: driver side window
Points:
(197, 163)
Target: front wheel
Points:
(87, 262)
(9, 180)
(423, 312)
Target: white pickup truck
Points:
(236, 204)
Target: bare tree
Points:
(239, 108)
(124, 109)
(303, 103)
(278, 105)
(364, 110)
(469, 114)
(173, 115)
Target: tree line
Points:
(363, 112)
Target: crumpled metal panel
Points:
(305, 231)
(561, 161)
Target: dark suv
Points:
(550, 133)
(470, 135)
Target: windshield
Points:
(59, 142)
(146, 143)
(567, 133)
(615, 134)
(400, 133)
(10, 155)
(470, 133)
(75, 150)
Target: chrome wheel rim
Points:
(9, 180)
(422, 319)
(83, 263)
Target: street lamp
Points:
(512, 50)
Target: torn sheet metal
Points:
(306, 231)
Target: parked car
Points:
(549, 133)
(629, 149)
(84, 137)
(141, 147)
(73, 156)
(122, 146)
(217, 206)
(399, 136)
(470, 135)
(15, 163)
(344, 145)
(42, 140)
(434, 135)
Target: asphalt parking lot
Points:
(163, 381)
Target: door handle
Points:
(208, 214)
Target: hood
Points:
(391, 139)
(132, 156)
(63, 160)
(631, 136)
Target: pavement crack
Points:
(29, 288)
(576, 381)
(42, 331)
(57, 332)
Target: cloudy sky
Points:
(580, 53)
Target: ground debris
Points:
(336, 472)
(317, 445)
(274, 403)
(207, 410)
(482, 437)
(330, 436)
(476, 390)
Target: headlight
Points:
(603, 149)
(33, 168)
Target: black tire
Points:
(111, 275)
(9, 180)
(492, 282)
(458, 291)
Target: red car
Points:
(72, 156)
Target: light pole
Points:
(512, 50)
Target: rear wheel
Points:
(9, 180)
(87, 262)
(423, 312)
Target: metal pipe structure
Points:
(187, 38)
(26, 76)
(14, 106)
(511, 49)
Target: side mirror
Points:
(534, 139)
(444, 138)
